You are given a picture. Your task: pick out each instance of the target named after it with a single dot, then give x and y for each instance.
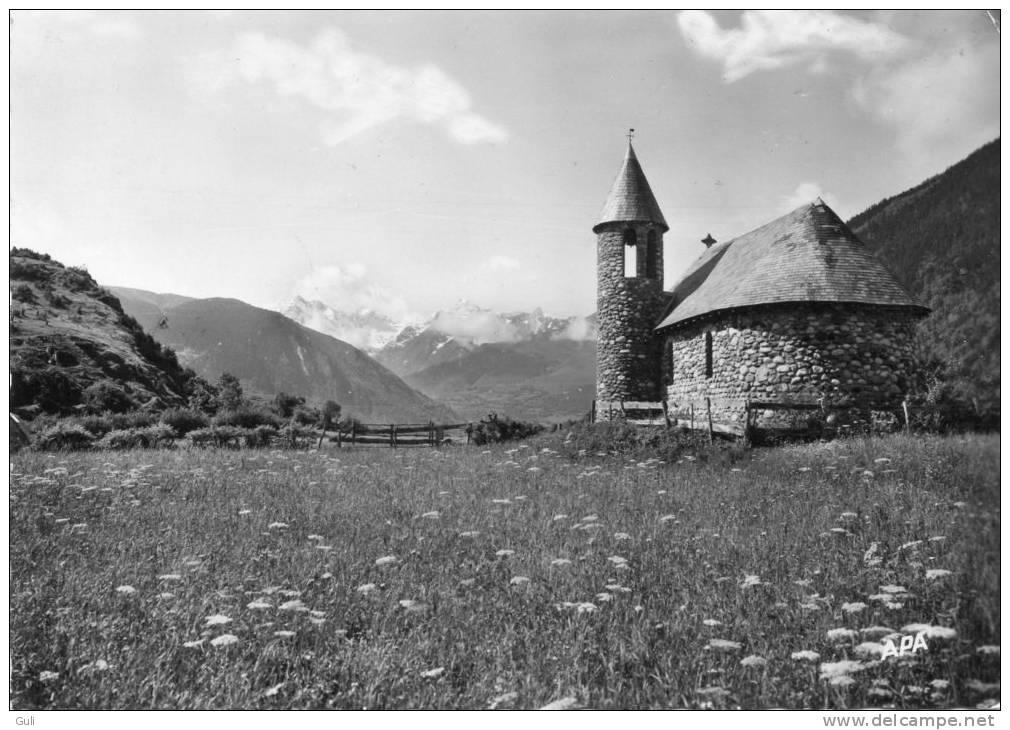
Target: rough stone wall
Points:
(627, 359)
(855, 355)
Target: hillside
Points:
(69, 339)
(942, 240)
(270, 353)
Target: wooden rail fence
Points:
(398, 434)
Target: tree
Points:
(229, 392)
(331, 413)
(285, 404)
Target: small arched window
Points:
(630, 247)
(651, 255)
(708, 354)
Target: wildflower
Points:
(831, 670)
(243, 512)
(316, 621)
(559, 517)
(667, 518)
(893, 589)
(46, 676)
(876, 631)
(935, 573)
(324, 548)
(848, 515)
(585, 607)
(433, 515)
(622, 536)
(284, 634)
(217, 620)
(604, 597)
(432, 673)
(590, 518)
(941, 632)
(910, 545)
(977, 685)
(99, 665)
(501, 501)
(940, 684)
(988, 649)
(842, 680)
(750, 580)
(639, 608)
(723, 644)
(224, 640)
(617, 560)
(273, 690)
(519, 580)
(565, 703)
(193, 644)
(854, 607)
(277, 526)
(503, 699)
(805, 655)
(870, 557)
(126, 590)
(385, 560)
(471, 533)
(315, 537)
(560, 562)
(869, 649)
(295, 605)
(166, 596)
(258, 604)
(712, 622)
(754, 660)
(505, 553)
(841, 634)
(170, 576)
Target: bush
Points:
(23, 293)
(219, 436)
(495, 430)
(296, 436)
(259, 437)
(246, 416)
(184, 420)
(97, 426)
(307, 416)
(138, 438)
(133, 419)
(64, 436)
(106, 396)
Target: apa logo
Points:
(908, 645)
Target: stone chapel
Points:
(798, 311)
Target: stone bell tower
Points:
(629, 288)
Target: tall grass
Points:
(659, 553)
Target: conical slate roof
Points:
(808, 255)
(630, 197)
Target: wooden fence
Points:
(686, 415)
(399, 434)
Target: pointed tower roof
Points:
(630, 197)
(809, 255)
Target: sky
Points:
(403, 160)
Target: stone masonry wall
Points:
(627, 359)
(849, 354)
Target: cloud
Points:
(354, 91)
(348, 289)
(807, 192)
(475, 325)
(949, 99)
(770, 39)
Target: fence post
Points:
(692, 416)
(904, 407)
(354, 435)
(392, 435)
(592, 412)
(708, 405)
(666, 413)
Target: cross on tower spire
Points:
(630, 134)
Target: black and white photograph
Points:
(504, 360)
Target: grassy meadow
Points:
(510, 577)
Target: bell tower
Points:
(629, 288)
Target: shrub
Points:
(138, 438)
(229, 393)
(23, 293)
(133, 419)
(184, 420)
(105, 395)
(96, 425)
(296, 436)
(58, 301)
(64, 436)
(307, 416)
(246, 416)
(220, 436)
(495, 430)
(259, 437)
